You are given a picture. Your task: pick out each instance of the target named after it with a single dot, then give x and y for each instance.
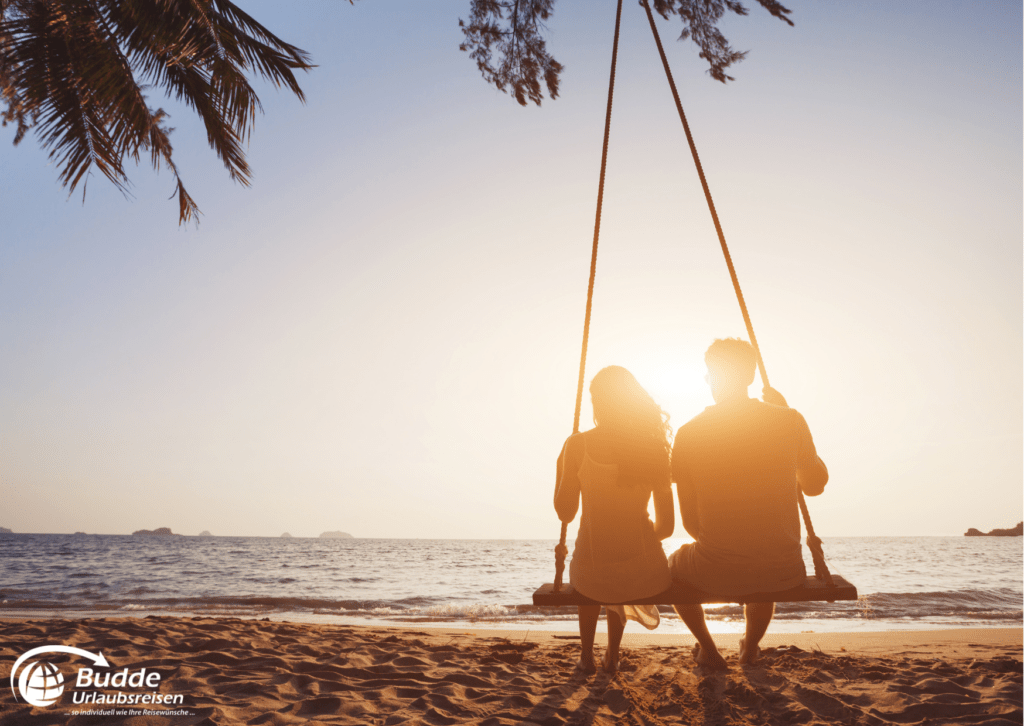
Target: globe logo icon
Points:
(41, 684)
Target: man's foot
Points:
(587, 665)
(709, 661)
(748, 656)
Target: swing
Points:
(823, 585)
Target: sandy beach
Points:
(230, 671)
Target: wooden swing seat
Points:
(812, 589)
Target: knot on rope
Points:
(560, 552)
(818, 557)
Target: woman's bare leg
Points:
(588, 615)
(705, 652)
(615, 630)
(758, 616)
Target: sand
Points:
(231, 671)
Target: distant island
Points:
(286, 535)
(1017, 531)
(4, 530)
(336, 535)
(206, 533)
(161, 532)
(79, 534)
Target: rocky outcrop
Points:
(4, 530)
(160, 532)
(336, 535)
(1017, 531)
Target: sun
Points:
(679, 389)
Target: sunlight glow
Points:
(679, 388)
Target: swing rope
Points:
(561, 550)
(813, 541)
(814, 544)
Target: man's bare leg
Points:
(588, 627)
(705, 652)
(615, 630)
(758, 616)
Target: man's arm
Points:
(811, 472)
(812, 479)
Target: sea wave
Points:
(988, 606)
(904, 582)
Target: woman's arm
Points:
(688, 509)
(567, 481)
(664, 513)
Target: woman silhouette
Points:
(616, 467)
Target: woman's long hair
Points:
(621, 404)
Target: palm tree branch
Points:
(194, 87)
(48, 45)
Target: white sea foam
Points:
(472, 611)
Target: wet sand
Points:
(232, 671)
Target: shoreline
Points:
(232, 670)
(671, 625)
(873, 639)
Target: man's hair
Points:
(733, 359)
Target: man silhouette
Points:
(737, 466)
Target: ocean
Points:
(904, 582)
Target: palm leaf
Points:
(76, 69)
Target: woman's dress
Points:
(617, 557)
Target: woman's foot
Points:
(609, 664)
(587, 665)
(712, 661)
(748, 656)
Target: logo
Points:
(42, 683)
(131, 692)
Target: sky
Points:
(381, 335)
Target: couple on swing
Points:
(736, 467)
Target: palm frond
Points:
(75, 70)
(55, 49)
(193, 86)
